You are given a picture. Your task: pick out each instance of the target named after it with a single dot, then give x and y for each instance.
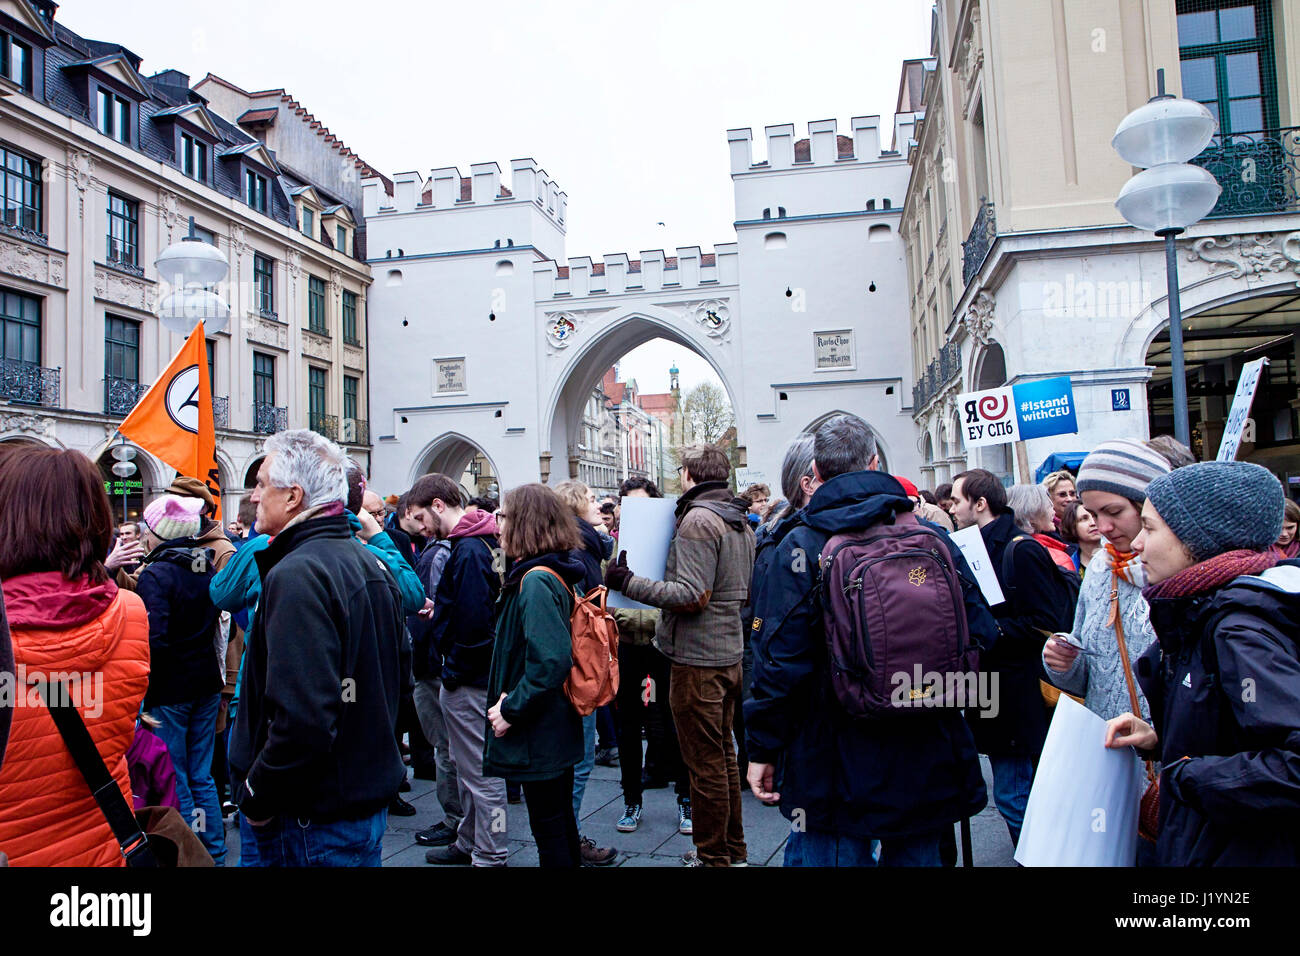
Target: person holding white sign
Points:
(1223, 678)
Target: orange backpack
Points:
(593, 679)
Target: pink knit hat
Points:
(174, 517)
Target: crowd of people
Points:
(287, 666)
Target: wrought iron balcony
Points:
(220, 411)
(977, 245)
(23, 227)
(1258, 171)
(120, 395)
(356, 431)
(937, 375)
(29, 384)
(269, 314)
(327, 425)
(117, 259)
(269, 419)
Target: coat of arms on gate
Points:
(561, 330)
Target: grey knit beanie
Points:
(1219, 506)
(1123, 467)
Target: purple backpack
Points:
(895, 619)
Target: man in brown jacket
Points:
(706, 582)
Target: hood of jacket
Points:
(49, 601)
(1273, 595)
(564, 563)
(475, 524)
(716, 497)
(856, 499)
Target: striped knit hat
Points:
(1123, 467)
(172, 516)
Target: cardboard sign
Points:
(1083, 807)
(971, 543)
(750, 476)
(1240, 413)
(645, 529)
(998, 416)
(988, 417)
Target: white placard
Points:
(1083, 808)
(971, 543)
(833, 350)
(749, 476)
(448, 376)
(988, 417)
(645, 528)
(1240, 412)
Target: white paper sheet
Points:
(1083, 808)
(977, 556)
(645, 527)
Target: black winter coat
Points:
(594, 550)
(426, 662)
(868, 778)
(1223, 680)
(314, 735)
(173, 585)
(1037, 601)
(464, 611)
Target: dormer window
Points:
(16, 61)
(194, 158)
(114, 118)
(255, 191)
(341, 242)
(308, 222)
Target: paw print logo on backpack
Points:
(916, 577)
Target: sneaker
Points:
(691, 859)
(607, 757)
(630, 820)
(684, 825)
(437, 835)
(593, 855)
(400, 808)
(450, 855)
(740, 863)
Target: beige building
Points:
(1021, 268)
(105, 166)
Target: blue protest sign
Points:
(1045, 408)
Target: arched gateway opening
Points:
(461, 459)
(602, 431)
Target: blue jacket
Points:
(464, 613)
(425, 659)
(596, 548)
(182, 624)
(856, 777)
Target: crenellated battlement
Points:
(446, 188)
(824, 146)
(653, 272)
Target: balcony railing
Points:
(977, 245)
(356, 431)
(327, 425)
(29, 384)
(269, 419)
(220, 411)
(23, 224)
(1258, 171)
(937, 375)
(120, 396)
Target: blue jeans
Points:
(583, 770)
(812, 848)
(286, 841)
(248, 843)
(1012, 778)
(189, 730)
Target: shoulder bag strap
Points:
(107, 794)
(1116, 620)
(563, 583)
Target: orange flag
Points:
(174, 418)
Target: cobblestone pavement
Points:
(655, 843)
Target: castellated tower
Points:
(485, 340)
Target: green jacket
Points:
(706, 580)
(635, 626)
(531, 659)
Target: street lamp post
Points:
(124, 468)
(1165, 198)
(191, 266)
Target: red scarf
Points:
(1292, 550)
(1212, 573)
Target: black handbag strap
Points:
(132, 841)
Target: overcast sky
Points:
(625, 105)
